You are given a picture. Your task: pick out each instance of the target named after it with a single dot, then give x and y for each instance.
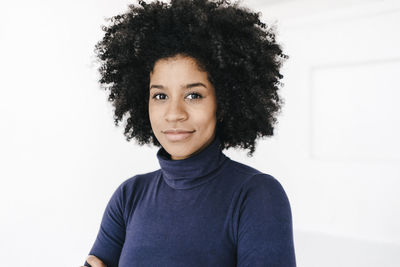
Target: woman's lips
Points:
(177, 135)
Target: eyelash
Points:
(199, 96)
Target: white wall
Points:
(60, 155)
(335, 151)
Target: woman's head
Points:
(229, 44)
(182, 106)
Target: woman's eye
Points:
(191, 96)
(194, 96)
(159, 96)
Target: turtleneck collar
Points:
(194, 170)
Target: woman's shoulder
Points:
(255, 181)
(138, 181)
(248, 173)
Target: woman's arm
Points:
(111, 236)
(265, 235)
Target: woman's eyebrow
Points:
(191, 85)
(155, 86)
(187, 86)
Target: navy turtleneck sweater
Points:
(205, 210)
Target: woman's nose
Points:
(176, 111)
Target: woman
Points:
(194, 77)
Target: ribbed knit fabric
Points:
(205, 210)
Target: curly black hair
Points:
(229, 42)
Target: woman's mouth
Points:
(177, 135)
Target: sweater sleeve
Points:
(265, 235)
(111, 236)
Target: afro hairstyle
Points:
(229, 42)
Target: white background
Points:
(336, 149)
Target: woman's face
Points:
(182, 106)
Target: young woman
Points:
(194, 77)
